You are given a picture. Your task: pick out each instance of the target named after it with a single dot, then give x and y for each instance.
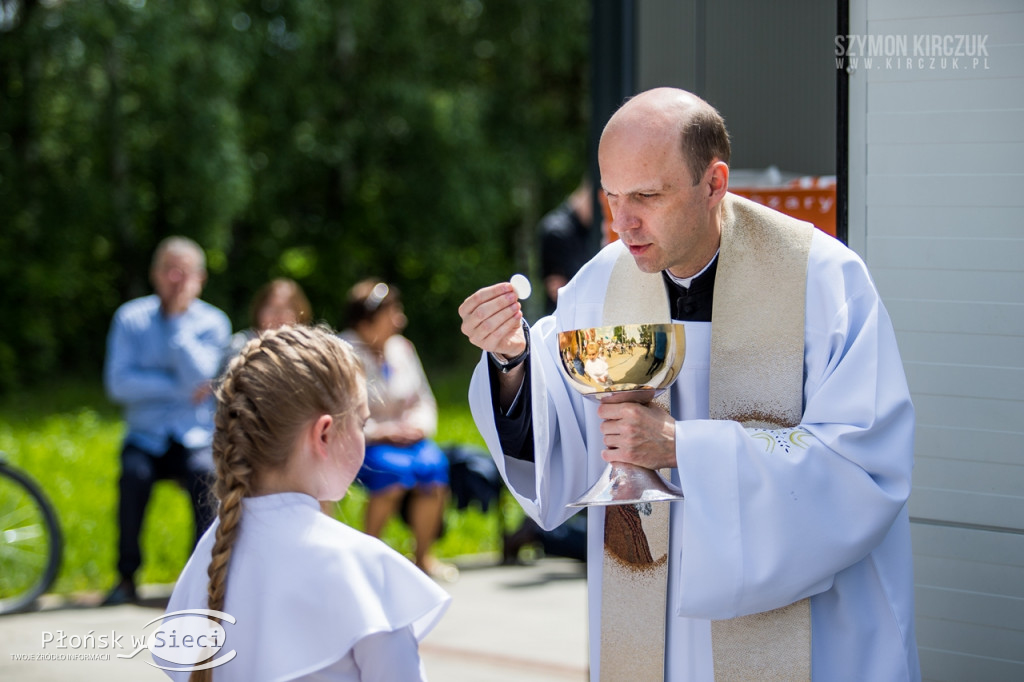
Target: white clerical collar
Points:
(685, 282)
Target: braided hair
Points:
(271, 389)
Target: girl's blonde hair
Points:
(271, 390)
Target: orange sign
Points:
(816, 205)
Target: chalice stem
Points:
(624, 483)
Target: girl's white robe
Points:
(307, 592)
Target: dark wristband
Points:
(507, 366)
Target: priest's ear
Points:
(716, 181)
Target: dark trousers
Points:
(193, 467)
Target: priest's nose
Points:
(624, 220)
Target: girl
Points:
(596, 367)
(312, 598)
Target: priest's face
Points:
(665, 219)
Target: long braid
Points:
(277, 382)
(234, 481)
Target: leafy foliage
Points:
(325, 141)
(68, 437)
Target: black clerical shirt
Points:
(515, 429)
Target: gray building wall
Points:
(936, 204)
(766, 66)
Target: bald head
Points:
(676, 118)
(664, 168)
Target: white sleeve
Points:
(560, 472)
(774, 516)
(388, 656)
(423, 412)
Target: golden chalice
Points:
(631, 362)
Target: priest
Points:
(790, 427)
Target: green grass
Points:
(68, 437)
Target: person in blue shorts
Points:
(403, 465)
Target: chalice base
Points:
(622, 483)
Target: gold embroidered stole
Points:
(756, 378)
(757, 373)
(635, 566)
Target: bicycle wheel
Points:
(30, 541)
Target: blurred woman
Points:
(279, 302)
(401, 458)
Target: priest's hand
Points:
(638, 434)
(492, 320)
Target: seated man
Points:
(162, 352)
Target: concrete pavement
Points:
(505, 624)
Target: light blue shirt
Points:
(154, 366)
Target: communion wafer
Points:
(522, 286)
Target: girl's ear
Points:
(321, 433)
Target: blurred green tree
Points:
(325, 141)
